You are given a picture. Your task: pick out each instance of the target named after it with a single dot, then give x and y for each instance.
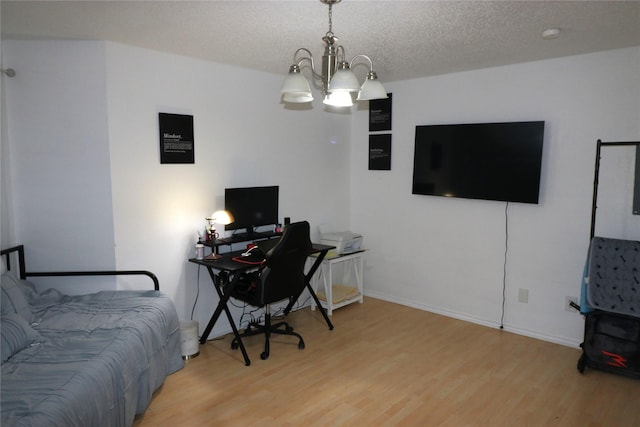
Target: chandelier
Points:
(336, 79)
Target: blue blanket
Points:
(98, 361)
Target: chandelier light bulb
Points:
(338, 99)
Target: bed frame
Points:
(24, 273)
(60, 346)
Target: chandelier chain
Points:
(330, 32)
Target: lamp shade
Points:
(372, 89)
(344, 81)
(221, 217)
(338, 99)
(297, 97)
(295, 87)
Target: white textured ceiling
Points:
(405, 39)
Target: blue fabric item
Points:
(103, 356)
(16, 335)
(13, 299)
(584, 306)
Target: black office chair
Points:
(281, 277)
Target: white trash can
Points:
(189, 339)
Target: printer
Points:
(345, 242)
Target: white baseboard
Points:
(479, 321)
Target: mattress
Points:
(98, 361)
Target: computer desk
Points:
(225, 272)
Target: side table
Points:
(345, 288)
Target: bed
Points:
(82, 360)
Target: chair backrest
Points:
(283, 274)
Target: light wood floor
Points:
(389, 365)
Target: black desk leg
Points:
(222, 306)
(307, 279)
(214, 319)
(320, 307)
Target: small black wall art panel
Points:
(176, 138)
(380, 152)
(380, 114)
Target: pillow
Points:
(13, 298)
(16, 335)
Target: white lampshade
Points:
(372, 89)
(221, 217)
(295, 87)
(297, 97)
(338, 99)
(344, 81)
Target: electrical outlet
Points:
(567, 303)
(523, 295)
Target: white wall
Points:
(7, 230)
(59, 155)
(447, 255)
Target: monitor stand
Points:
(250, 234)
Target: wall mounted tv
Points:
(489, 161)
(251, 207)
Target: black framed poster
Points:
(380, 114)
(380, 152)
(176, 138)
(636, 186)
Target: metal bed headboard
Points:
(24, 274)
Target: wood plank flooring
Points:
(389, 365)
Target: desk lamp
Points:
(218, 217)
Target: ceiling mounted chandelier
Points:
(337, 80)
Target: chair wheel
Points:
(234, 345)
(264, 355)
(301, 345)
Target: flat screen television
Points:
(251, 207)
(489, 161)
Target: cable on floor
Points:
(504, 266)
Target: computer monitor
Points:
(251, 207)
